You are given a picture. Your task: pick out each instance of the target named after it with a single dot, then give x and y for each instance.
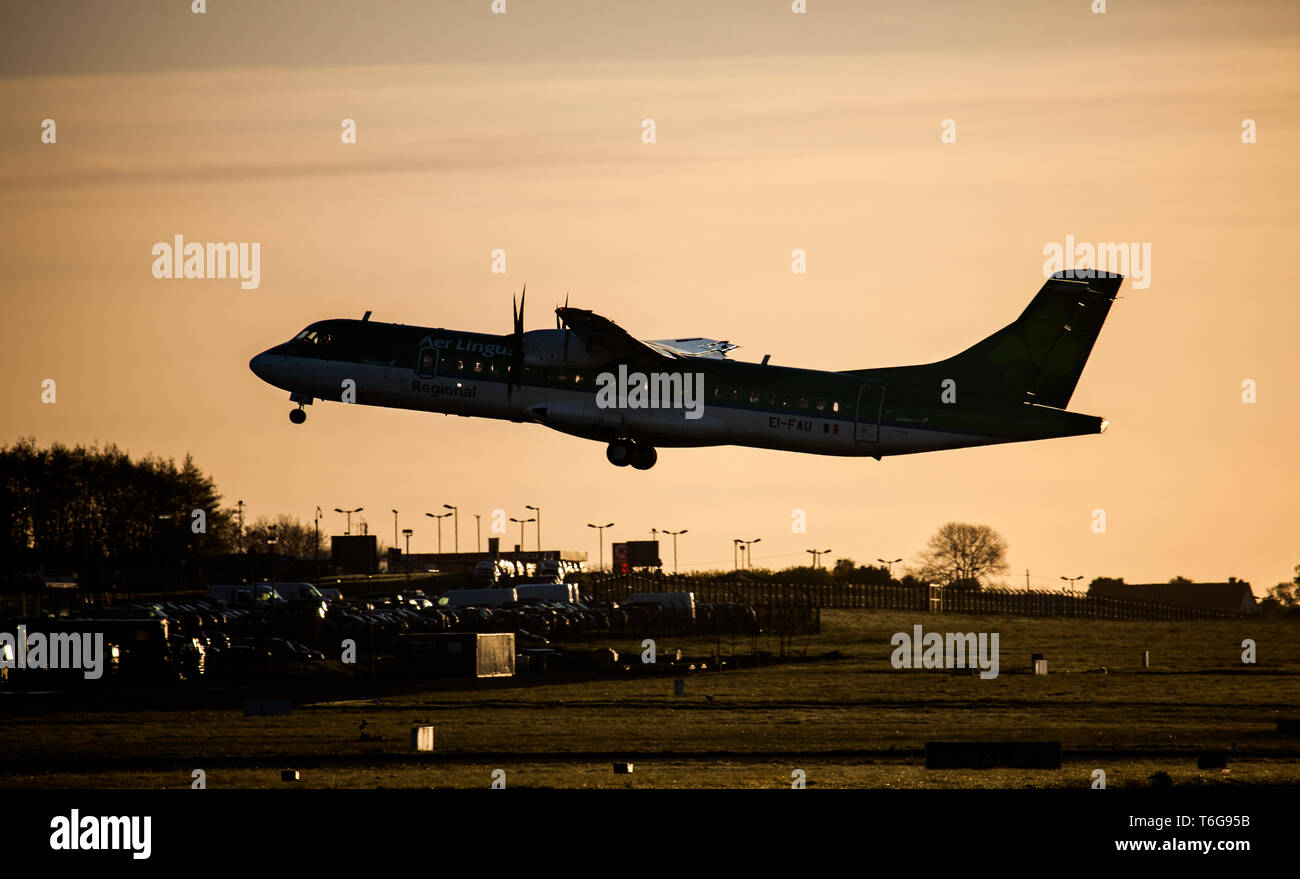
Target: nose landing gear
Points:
(299, 415)
(622, 452)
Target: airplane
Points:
(590, 378)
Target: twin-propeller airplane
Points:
(590, 378)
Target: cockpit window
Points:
(313, 336)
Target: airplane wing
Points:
(604, 338)
(694, 347)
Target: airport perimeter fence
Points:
(893, 596)
(778, 610)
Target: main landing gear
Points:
(622, 452)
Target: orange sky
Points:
(774, 132)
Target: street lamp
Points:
(478, 533)
(601, 529)
(407, 532)
(538, 511)
(394, 527)
(674, 534)
(315, 547)
(1072, 580)
(521, 529)
(271, 541)
(889, 566)
(817, 554)
(455, 511)
(749, 556)
(439, 517)
(349, 515)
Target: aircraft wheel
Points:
(645, 457)
(620, 453)
(298, 416)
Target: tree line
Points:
(120, 520)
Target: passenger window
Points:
(460, 365)
(821, 404)
(754, 396)
(478, 365)
(803, 402)
(835, 407)
(785, 400)
(561, 375)
(577, 378)
(735, 393)
(771, 398)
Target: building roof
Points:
(1235, 596)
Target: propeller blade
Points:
(517, 344)
(566, 327)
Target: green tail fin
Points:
(1036, 359)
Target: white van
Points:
(678, 602)
(477, 597)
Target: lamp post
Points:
(1072, 580)
(271, 541)
(749, 556)
(407, 532)
(439, 517)
(817, 554)
(538, 511)
(394, 527)
(521, 529)
(674, 534)
(735, 553)
(315, 547)
(889, 566)
(601, 529)
(478, 533)
(455, 512)
(349, 515)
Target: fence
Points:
(893, 596)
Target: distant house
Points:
(1234, 596)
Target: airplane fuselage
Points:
(565, 386)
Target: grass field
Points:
(851, 721)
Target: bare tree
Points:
(292, 537)
(963, 553)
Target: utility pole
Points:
(538, 511)
(455, 512)
(315, 547)
(817, 554)
(521, 529)
(601, 529)
(439, 517)
(674, 534)
(349, 515)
